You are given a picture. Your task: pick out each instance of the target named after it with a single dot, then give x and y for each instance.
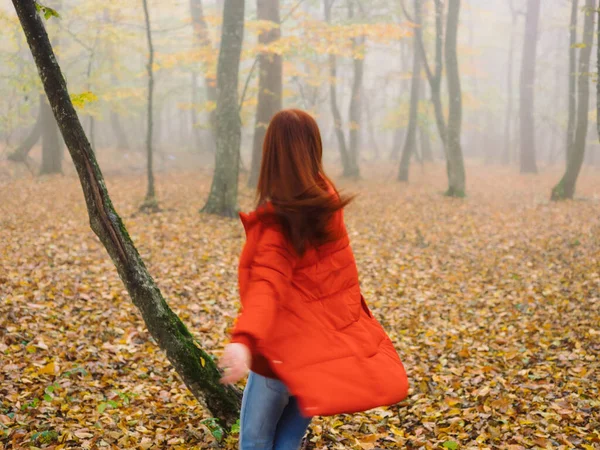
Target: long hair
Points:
(292, 178)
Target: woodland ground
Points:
(493, 303)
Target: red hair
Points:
(292, 178)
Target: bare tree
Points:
(270, 83)
(222, 199)
(355, 108)
(527, 88)
(566, 187)
(509, 85)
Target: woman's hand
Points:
(235, 362)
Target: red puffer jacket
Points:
(307, 324)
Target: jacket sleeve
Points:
(270, 277)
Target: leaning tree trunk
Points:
(572, 79)
(202, 39)
(223, 193)
(194, 366)
(355, 108)
(20, 154)
(51, 145)
(411, 134)
(150, 203)
(455, 164)
(335, 111)
(566, 187)
(270, 83)
(527, 87)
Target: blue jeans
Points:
(270, 417)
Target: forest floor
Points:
(493, 303)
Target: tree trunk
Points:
(411, 134)
(355, 108)
(435, 78)
(195, 367)
(565, 189)
(509, 89)
(122, 141)
(527, 86)
(51, 145)
(425, 143)
(335, 111)
(20, 154)
(572, 79)
(194, 113)
(455, 164)
(223, 193)
(270, 83)
(150, 203)
(372, 137)
(202, 39)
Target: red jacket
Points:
(307, 324)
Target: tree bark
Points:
(565, 189)
(270, 83)
(527, 87)
(372, 137)
(194, 366)
(355, 108)
(150, 203)
(425, 141)
(572, 79)
(223, 193)
(455, 163)
(335, 111)
(411, 133)
(20, 154)
(202, 39)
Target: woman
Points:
(305, 331)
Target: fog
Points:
(102, 49)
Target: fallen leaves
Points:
(493, 303)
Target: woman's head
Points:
(292, 178)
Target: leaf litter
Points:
(493, 303)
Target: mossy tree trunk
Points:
(270, 83)
(335, 110)
(565, 189)
(527, 88)
(222, 199)
(455, 163)
(194, 366)
(410, 140)
(20, 154)
(150, 203)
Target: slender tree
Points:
(565, 189)
(355, 108)
(194, 366)
(509, 85)
(335, 111)
(435, 77)
(527, 88)
(150, 203)
(202, 40)
(455, 163)
(410, 140)
(222, 199)
(270, 82)
(572, 79)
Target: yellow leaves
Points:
(49, 369)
